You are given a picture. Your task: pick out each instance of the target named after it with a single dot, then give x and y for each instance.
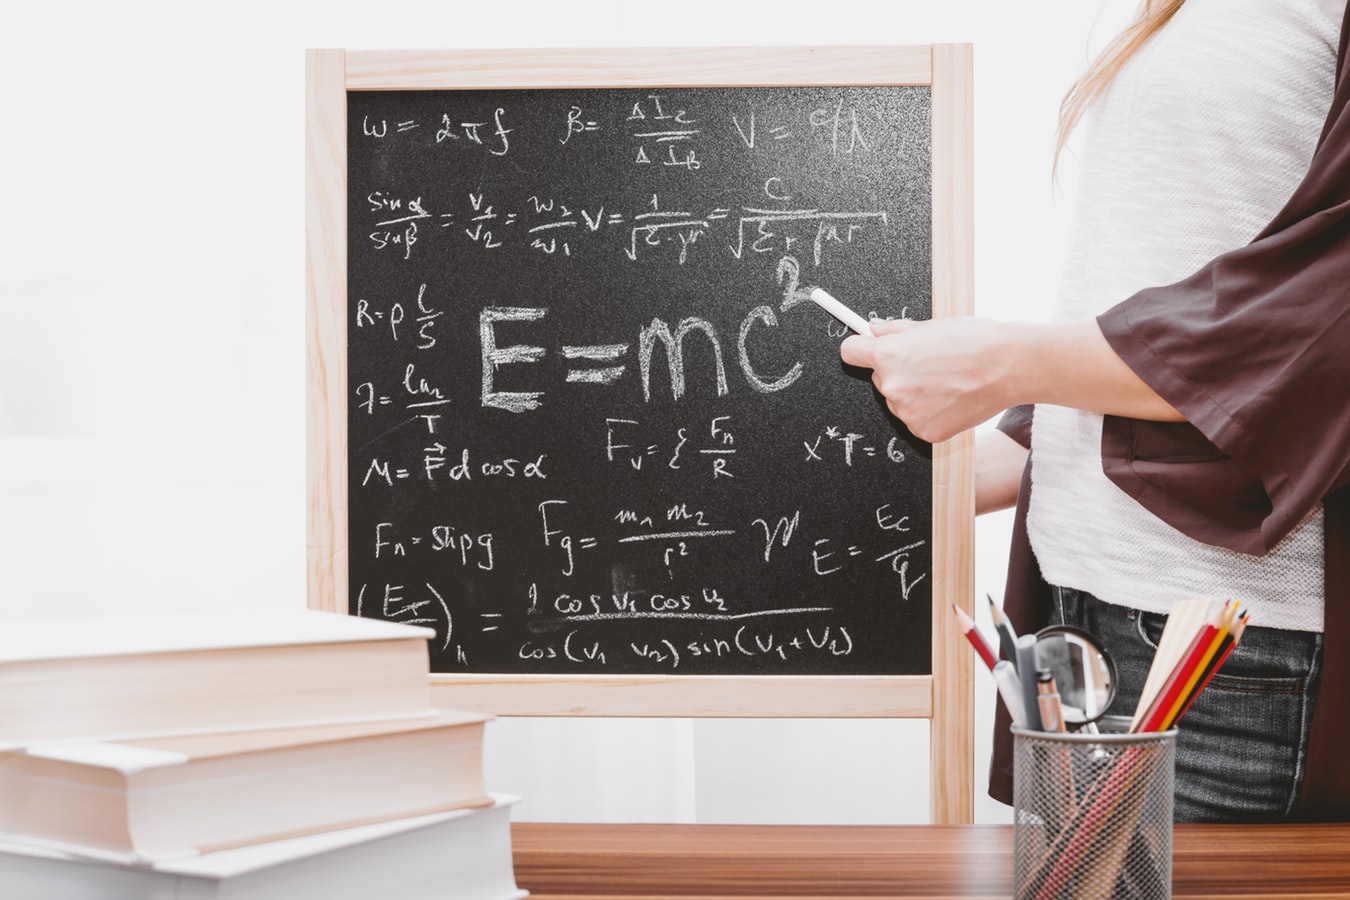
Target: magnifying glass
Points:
(1085, 674)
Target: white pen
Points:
(841, 312)
(1010, 689)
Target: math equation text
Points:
(595, 424)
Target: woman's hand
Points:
(943, 376)
(939, 377)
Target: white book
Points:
(139, 676)
(461, 855)
(153, 798)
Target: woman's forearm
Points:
(1071, 364)
(999, 462)
(944, 376)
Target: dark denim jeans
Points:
(1241, 746)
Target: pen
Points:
(1010, 689)
(1026, 673)
(1007, 638)
(841, 312)
(984, 651)
(1047, 695)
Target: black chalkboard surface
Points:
(594, 423)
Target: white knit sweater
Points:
(1197, 144)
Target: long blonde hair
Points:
(1150, 19)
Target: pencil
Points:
(1007, 638)
(975, 638)
(1182, 622)
(1171, 695)
(1225, 648)
(1167, 694)
(1188, 689)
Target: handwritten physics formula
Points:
(595, 423)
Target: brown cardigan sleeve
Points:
(1016, 424)
(1254, 350)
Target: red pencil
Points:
(1229, 642)
(976, 640)
(1169, 689)
(1162, 712)
(1202, 667)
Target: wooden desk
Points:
(665, 862)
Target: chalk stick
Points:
(841, 312)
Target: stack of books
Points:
(260, 755)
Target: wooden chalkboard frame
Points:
(946, 696)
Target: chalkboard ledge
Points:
(749, 696)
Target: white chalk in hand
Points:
(841, 312)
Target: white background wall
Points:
(152, 348)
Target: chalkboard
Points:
(596, 423)
(567, 401)
(570, 404)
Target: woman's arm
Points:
(943, 376)
(999, 463)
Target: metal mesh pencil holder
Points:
(1093, 814)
